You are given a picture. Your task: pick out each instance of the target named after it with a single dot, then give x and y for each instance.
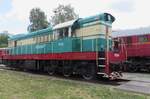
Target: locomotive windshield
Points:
(116, 45)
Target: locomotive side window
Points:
(143, 38)
(55, 33)
(116, 45)
(61, 33)
(15, 45)
(50, 37)
(66, 32)
(11, 43)
(45, 38)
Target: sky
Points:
(14, 14)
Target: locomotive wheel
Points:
(67, 71)
(89, 72)
(50, 70)
(133, 68)
(149, 69)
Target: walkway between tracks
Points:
(139, 83)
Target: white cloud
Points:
(21, 8)
(137, 18)
(123, 6)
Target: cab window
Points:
(66, 32)
(61, 33)
(116, 45)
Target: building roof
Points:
(131, 32)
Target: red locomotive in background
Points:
(137, 48)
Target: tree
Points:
(3, 39)
(63, 13)
(38, 20)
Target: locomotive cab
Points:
(118, 55)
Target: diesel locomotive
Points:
(82, 46)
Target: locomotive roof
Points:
(81, 21)
(98, 17)
(131, 32)
(31, 34)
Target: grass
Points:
(20, 85)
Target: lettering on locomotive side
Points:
(60, 44)
(40, 46)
